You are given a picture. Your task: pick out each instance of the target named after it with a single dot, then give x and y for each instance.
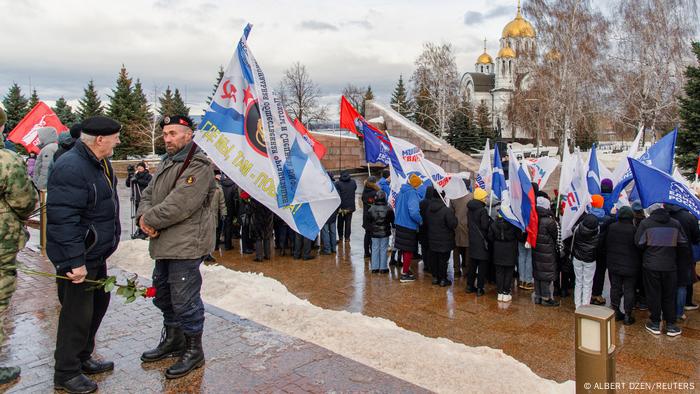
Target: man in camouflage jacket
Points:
(17, 201)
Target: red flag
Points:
(348, 116)
(697, 170)
(25, 133)
(318, 147)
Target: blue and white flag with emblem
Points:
(247, 133)
(655, 186)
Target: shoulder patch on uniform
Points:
(189, 180)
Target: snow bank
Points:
(427, 362)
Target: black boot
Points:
(619, 316)
(80, 384)
(629, 319)
(172, 344)
(193, 358)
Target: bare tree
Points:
(355, 95)
(560, 95)
(300, 95)
(436, 87)
(651, 51)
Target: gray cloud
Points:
(359, 23)
(318, 25)
(475, 17)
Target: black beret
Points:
(100, 125)
(75, 130)
(182, 120)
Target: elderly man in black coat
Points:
(82, 232)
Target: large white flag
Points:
(413, 161)
(540, 169)
(483, 176)
(249, 136)
(575, 193)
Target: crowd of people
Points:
(187, 208)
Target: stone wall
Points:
(435, 149)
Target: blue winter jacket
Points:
(385, 186)
(407, 208)
(608, 203)
(82, 210)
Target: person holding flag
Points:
(407, 221)
(479, 223)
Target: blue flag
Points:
(593, 175)
(378, 148)
(655, 186)
(660, 156)
(498, 179)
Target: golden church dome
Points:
(484, 58)
(506, 52)
(518, 27)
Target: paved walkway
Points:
(242, 356)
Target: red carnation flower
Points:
(150, 292)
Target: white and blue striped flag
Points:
(247, 133)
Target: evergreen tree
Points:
(688, 144)
(463, 135)
(369, 95)
(216, 84)
(64, 112)
(15, 106)
(137, 135)
(90, 105)
(483, 122)
(120, 106)
(33, 100)
(166, 107)
(399, 99)
(179, 106)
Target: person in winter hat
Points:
(407, 221)
(545, 254)
(479, 255)
(624, 263)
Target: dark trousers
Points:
(219, 230)
(601, 266)
(262, 248)
(689, 293)
(178, 284)
(429, 261)
(368, 243)
(228, 232)
(619, 286)
(344, 226)
(504, 278)
(302, 246)
(661, 289)
(439, 262)
(461, 258)
(568, 280)
(480, 266)
(542, 290)
(247, 244)
(80, 317)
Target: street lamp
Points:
(595, 349)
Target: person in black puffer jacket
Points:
(584, 251)
(479, 222)
(440, 224)
(504, 236)
(369, 193)
(380, 218)
(624, 263)
(662, 241)
(346, 187)
(545, 254)
(686, 263)
(427, 256)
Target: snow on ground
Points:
(375, 342)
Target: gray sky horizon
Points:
(57, 47)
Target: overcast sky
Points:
(58, 46)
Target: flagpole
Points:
(340, 150)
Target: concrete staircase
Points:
(435, 149)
